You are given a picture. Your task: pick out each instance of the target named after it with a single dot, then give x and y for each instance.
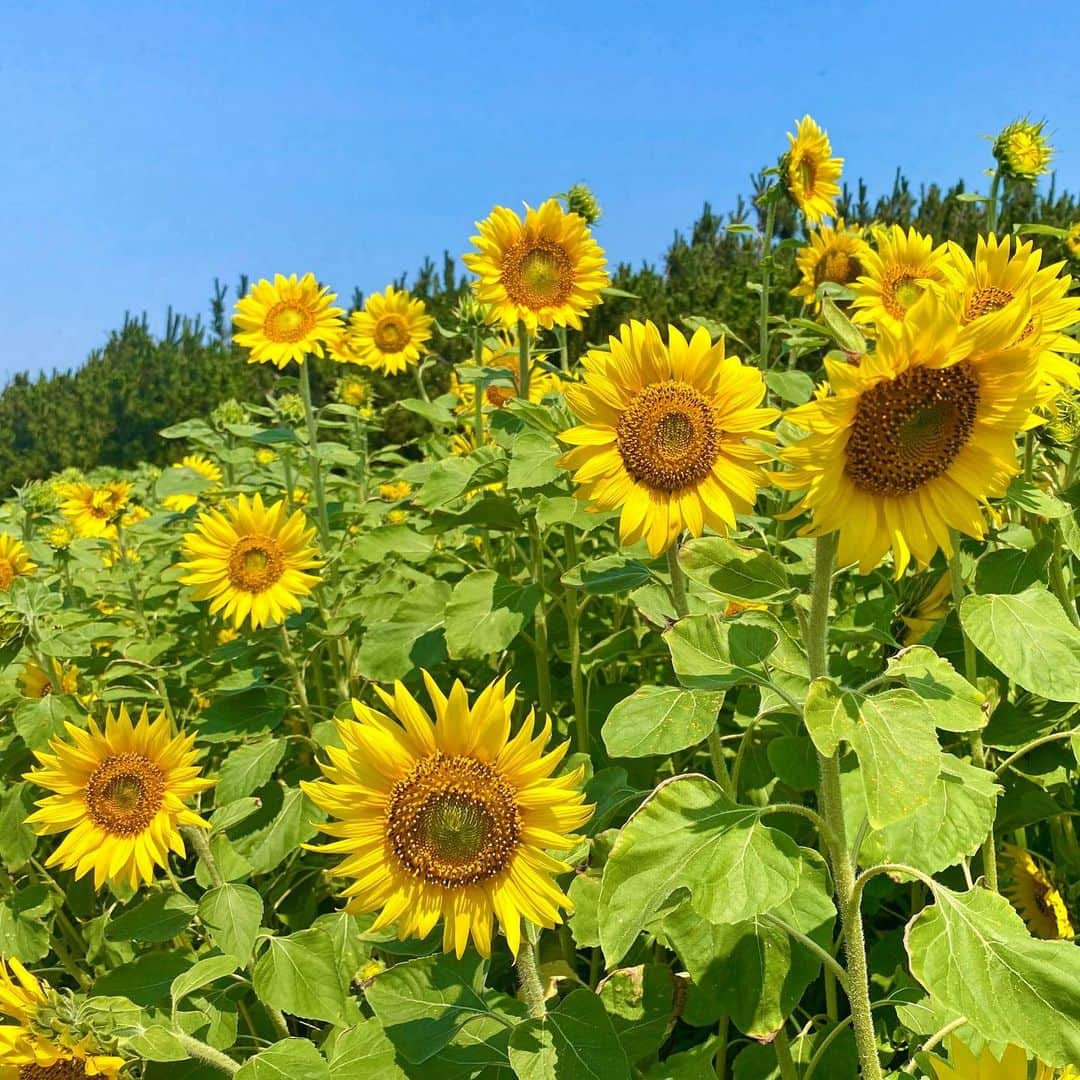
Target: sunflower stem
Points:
(992, 202)
(564, 352)
(678, 582)
(573, 630)
(830, 805)
(524, 360)
(540, 637)
(478, 394)
(978, 752)
(783, 1056)
(313, 454)
(289, 657)
(532, 989)
(720, 1057)
(198, 1049)
(200, 844)
(766, 273)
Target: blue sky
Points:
(148, 148)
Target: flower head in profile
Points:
(544, 271)
(926, 603)
(14, 561)
(810, 173)
(580, 200)
(832, 254)
(388, 334)
(1033, 893)
(965, 1064)
(118, 794)
(449, 816)
(898, 270)
(1022, 150)
(36, 682)
(94, 511)
(914, 439)
(251, 561)
(202, 466)
(505, 357)
(668, 434)
(286, 319)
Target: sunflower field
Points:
(674, 706)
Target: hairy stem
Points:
(532, 990)
(198, 1049)
(313, 455)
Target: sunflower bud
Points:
(37, 497)
(1022, 150)
(290, 407)
(581, 201)
(352, 390)
(59, 537)
(229, 412)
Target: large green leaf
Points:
(831, 714)
(248, 768)
(285, 820)
(690, 836)
(232, 914)
(955, 703)
(713, 653)
(658, 720)
(740, 573)
(608, 574)
(157, 917)
(289, 1059)
(300, 974)
(1029, 638)
(640, 1001)
(412, 638)
(24, 931)
(973, 954)
(364, 1050)
(485, 613)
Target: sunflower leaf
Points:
(734, 571)
(658, 720)
(485, 613)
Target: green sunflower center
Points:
(255, 563)
(538, 273)
(900, 289)
(391, 334)
(124, 793)
(60, 1070)
(908, 431)
(668, 437)
(453, 821)
(288, 321)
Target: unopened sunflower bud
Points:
(581, 201)
(1022, 150)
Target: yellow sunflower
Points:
(544, 271)
(286, 320)
(14, 561)
(59, 537)
(251, 561)
(395, 490)
(397, 517)
(92, 510)
(352, 390)
(1072, 240)
(507, 358)
(1022, 150)
(35, 682)
(965, 1065)
(450, 818)
(899, 269)
(810, 172)
(913, 439)
(202, 466)
(667, 434)
(1034, 895)
(119, 796)
(25, 1054)
(388, 335)
(921, 612)
(832, 254)
(999, 274)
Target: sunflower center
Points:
(102, 504)
(391, 334)
(900, 289)
(124, 793)
(537, 273)
(908, 431)
(499, 395)
(984, 301)
(840, 267)
(288, 321)
(7, 573)
(255, 563)
(667, 436)
(60, 1070)
(453, 821)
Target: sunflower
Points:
(25, 1053)
(999, 274)
(202, 466)
(506, 358)
(397, 517)
(1022, 150)
(1072, 240)
(286, 320)
(265, 455)
(898, 272)
(544, 271)
(666, 434)
(59, 537)
(251, 561)
(395, 490)
(965, 1065)
(35, 682)
(352, 390)
(832, 254)
(912, 440)
(450, 818)
(91, 510)
(14, 561)
(118, 796)
(388, 335)
(924, 608)
(809, 171)
(1034, 895)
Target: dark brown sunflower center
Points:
(124, 793)
(102, 505)
(391, 334)
(537, 273)
(900, 289)
(7, 573)
(60, 1070)
(453, 821)
(667, 436)
(255, 563)
(288, 321)
(498, 396)
(983, 301)
(840, 267)
(907, 431)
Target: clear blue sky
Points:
(148, 147)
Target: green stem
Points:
(200, 843)
(540, 638)
(766, 274)
(313, 455)
(720, 1057)
(678, 582)
(992, 202)
(524, 360)
(719, 766)
(564, 352)
(572, 607)
(978, 752)
(478, 393)
(198, 1049)
(289, 657)
(286, 461)
(783, 1056)
(532, 989)
(419, 376)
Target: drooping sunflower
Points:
(836, 254)
(14, 561)
(388, 335)
(93, 511)
(1022, 150)
(544, 271)
(963, 1064)
(1034, 895)
(507, 358)
(286, 320)
(450, 818)
(35, 682)
(1072, 240)
(913, 439)
(251, 561)
(810, 172)
(999, 274)
(667, 434)
(202, 466)
(899, 268)
(25, 1053)
(922, 609)
(119, 795)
